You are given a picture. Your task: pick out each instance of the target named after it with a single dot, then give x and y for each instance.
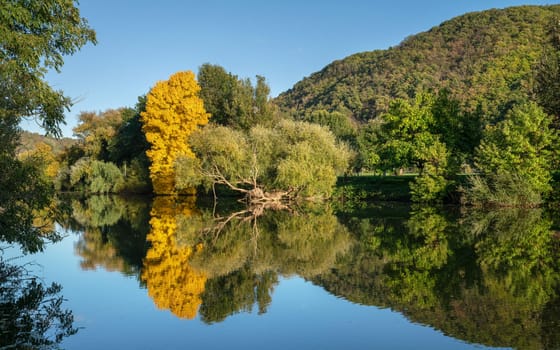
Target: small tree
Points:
(173, 112)
(515, 158)
(96, 176)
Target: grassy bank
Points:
(375, 187)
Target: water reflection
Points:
(172, 282)
(245, 252)
(113, 230)
(31, 313)
(484, 277)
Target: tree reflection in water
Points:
(114, 232)
(31, 314)
(244, 254)
(172, 283)
(483, 277)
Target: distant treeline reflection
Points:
(488, 277)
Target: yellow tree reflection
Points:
(172, 283)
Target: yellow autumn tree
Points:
(45, 157)
(173, 111)
(171, 281)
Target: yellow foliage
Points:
(173, 111)
(172, 283)
(45, 154)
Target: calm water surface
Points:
(139, 274)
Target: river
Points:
(139, 273)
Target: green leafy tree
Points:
(459, 130)
(411, 141)
(34, 37)
(369, 141)
(127, 149)
(112, 145)
(289, 160)
(515, 158)
(130, 142)
(338, 123)
(235, 102)
(95, 176)
(217, 90)
(408, 129)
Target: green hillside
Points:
(485, 59)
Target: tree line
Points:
(169, 143)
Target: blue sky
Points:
(143, 41)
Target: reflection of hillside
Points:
(114, 232)
(485, 278)
(172, 283)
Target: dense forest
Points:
(485, 58)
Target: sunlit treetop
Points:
(173, 112)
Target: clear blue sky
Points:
(143, 41)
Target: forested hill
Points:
(30, 141)
(484, 58)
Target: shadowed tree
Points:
(34, 37)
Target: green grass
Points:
(376, 187)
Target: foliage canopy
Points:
(173, 111)
(291, 159)
(482, 57)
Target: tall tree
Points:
(217, 91)
(173, 111)
(34, 37)
(235, 102)
(515, 156)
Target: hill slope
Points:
(30, 141)
(485, 58)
